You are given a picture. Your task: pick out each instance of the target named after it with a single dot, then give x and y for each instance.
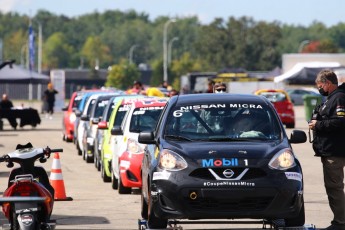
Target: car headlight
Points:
(72, 117)
(133, 147)
(283, 160)
(171, 161)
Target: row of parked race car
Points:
(93, 121)
(197, 156)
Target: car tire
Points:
(95, 160)
(121, 188)
(99, 166)
(154, 222)
(104, 175)
(297, 221)
(88, 159)
(79, 150)
(144, 207)
(114, 182)
(84, 155)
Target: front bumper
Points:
(130, 169)
(271, 197)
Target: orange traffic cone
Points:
(56, 180)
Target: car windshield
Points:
(274, 96)
(144, 119)
(219, 122)
(77, 101)
(120, 114)
(100, 106)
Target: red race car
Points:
(282, 103)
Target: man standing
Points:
(6, 103)
(329, 143)
(50, 97)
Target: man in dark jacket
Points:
(329, 143)
(6, 103)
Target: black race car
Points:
(221, 156)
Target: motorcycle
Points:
(28, 201)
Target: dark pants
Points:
(11, 120)
(333, 172)
(50, 107)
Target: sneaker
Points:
(50, 117)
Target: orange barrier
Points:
(56, 180)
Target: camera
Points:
(315, 115)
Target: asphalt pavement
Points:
(96, 205)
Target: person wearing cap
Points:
(136, 89)
(219, 87)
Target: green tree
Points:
(16, 46)
(95, 52)
(56, 51)
(122, 75)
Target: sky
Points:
(292, 12)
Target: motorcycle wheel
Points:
(14, 221)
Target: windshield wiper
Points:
(225, 139)
(180, 138)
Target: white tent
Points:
(300, 66)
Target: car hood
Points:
(247, 149)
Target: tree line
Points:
(121, 41)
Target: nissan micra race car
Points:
(221, 156)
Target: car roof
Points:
(208, 98)
(150, 102)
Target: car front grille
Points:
(204, 173)
(230, 205)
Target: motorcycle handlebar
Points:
(56, 150)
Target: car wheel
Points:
(144, 207)
(88, 158)
(114, 182)
(121, 188)
(84, 155)
(297, 221)
(95, 161)
(99, 166)
(79, 150)
(154, 222)
(104, 175)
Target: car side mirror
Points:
(95, 120)
(102, 125)
(77, 113)
(146, 137)
(84, 117)
(116, 130)
(297, 137)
